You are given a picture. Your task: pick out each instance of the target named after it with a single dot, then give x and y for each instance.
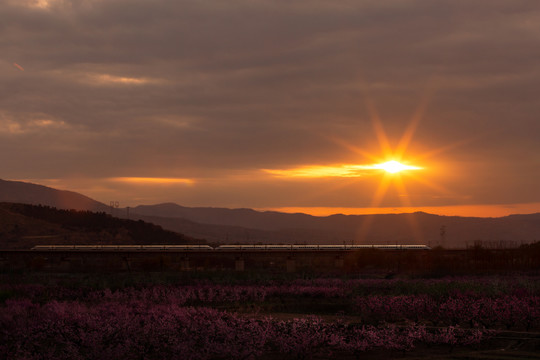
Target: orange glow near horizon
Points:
(451, 210)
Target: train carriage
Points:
(265, 247)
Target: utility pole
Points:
(114, 205)
(443, 235)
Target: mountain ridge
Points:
(243, 225)
(24, 225)
(35, 194)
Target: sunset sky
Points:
(289, 105)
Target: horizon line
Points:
(481, 211)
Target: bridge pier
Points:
(339, 262)
(184, 263)
(126, 263)
(290, 264)
(239, 264)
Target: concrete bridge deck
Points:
(150, 259)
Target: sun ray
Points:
(446, 148)
(364, 228)
(378, 127)
(353, 148)
(393, 158)
(410, 131)
(406, 202)
(413, 124)
(432, 185)
(392, 164)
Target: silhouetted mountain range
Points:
(250, 226)
(28, 193)
(246, 225)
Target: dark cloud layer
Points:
(206, 89)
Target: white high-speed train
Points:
(320, 247)
(222, 248)
(124, 247)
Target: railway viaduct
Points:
(160, 260)
(445, 261)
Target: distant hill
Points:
(23, 226)
(248, 218)
(249, 226)
(28, 193)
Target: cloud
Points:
(344, 170)
(106, 79)
(152, 180)
(11, 126)
(183, 89)
(18, 66)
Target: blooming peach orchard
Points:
(200, 320)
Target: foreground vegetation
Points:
(67, 317)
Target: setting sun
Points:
(393, 167)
